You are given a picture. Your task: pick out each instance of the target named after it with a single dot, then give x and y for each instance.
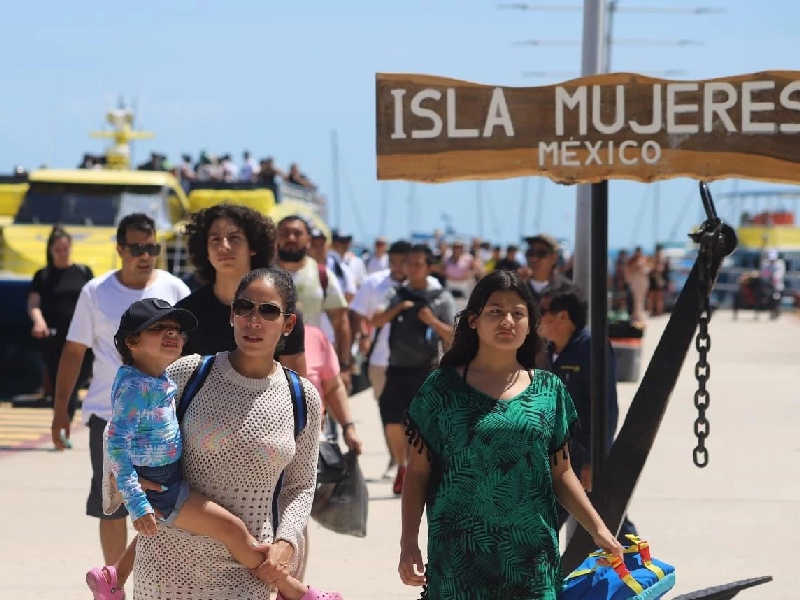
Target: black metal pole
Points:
(599, 323)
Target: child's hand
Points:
(146, 525)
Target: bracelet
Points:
(347, 426)
(345, 366)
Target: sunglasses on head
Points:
(242, 307)
(138, 250)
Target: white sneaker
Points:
(389, 472)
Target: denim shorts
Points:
(170, 501)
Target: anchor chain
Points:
(702, 370)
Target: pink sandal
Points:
(314, 594)
(100, 586)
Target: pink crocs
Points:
(314, 594)
(100, 586)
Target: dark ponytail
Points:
(56, 234)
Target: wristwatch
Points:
(347, 426)
(345, 366)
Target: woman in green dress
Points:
(490, 457)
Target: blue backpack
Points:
(299, 408)
(639, 577)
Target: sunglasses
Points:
(242, 307)
(541, 253)
(138, 250)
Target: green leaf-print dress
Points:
(490, 504)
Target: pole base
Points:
(725, 592)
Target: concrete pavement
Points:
(737, 518)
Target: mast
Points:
(337, 204)
(656, 211)
(523, 201)
(384, 207)
(479, 207)
(118, 154)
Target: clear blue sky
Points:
(276, 78)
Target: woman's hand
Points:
(351, 440)
(606, 541)
(411, 569)
(276, 567)
(146, 525)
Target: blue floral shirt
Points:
(143, 431)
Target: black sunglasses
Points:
(540, 253)
(138, 250)
(242, 307)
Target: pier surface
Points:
(735, 519)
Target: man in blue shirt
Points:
(569, 348)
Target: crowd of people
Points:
(479, 362)
(210, 167)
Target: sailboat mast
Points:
(523, 202)
(479, 207)
(412, 195)
(656, 212)
(337, 205)
(384, 207)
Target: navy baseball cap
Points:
(341, 236)
(144, 313)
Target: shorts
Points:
(169, 502)
(402, 384)
(94, 503)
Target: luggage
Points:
(604, 577)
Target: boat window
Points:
(91, 204)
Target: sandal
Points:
(101, 587)
(315, 594)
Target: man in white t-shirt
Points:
(94, 323)
(348, 268)
(340, 252)
(379, 261)
(318, 290)
(369, 296)
(250, 168)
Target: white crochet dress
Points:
(238, 437)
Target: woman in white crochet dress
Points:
(240, 451)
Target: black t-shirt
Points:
(507, 265)
(59, 290)
(215, 334)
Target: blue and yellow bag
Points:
(639, 577)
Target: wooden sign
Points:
(611, 126)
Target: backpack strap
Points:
(195, 382)
(368, 357)
(299, 403)
(322, 270)
(300, 410)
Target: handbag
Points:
(331, 467)
(604, 577)
(343, 507)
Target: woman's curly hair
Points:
(259, 230)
